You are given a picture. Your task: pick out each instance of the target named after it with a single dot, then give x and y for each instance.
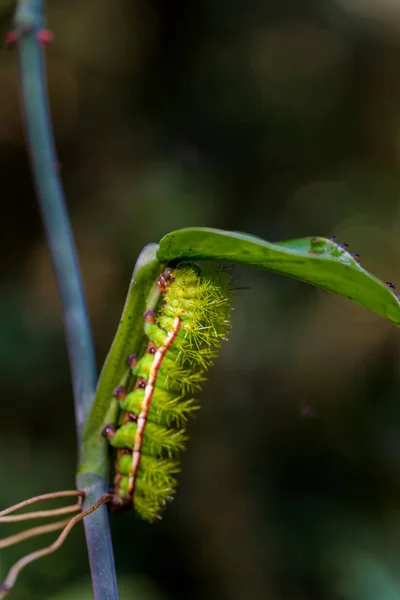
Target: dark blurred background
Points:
(278, 118)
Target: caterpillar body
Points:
(184, 335)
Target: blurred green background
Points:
(278, 118)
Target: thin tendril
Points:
(34, 499)
(33, 532)
(26, 560)
(40, 514)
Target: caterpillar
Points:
(184, 334)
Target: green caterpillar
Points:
(184, 335)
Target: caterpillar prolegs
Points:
(184, 335)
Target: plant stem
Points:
(29, 24)
(29, 21)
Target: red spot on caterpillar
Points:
(120, 393)
(131, 361)
(108, 431)
(151, 348)
(165, 279)
(149, 316)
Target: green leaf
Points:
(316, 260)
(142, 295)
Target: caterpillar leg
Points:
(149, 317)
(120, 393)
(109, 431)
(132, 361)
